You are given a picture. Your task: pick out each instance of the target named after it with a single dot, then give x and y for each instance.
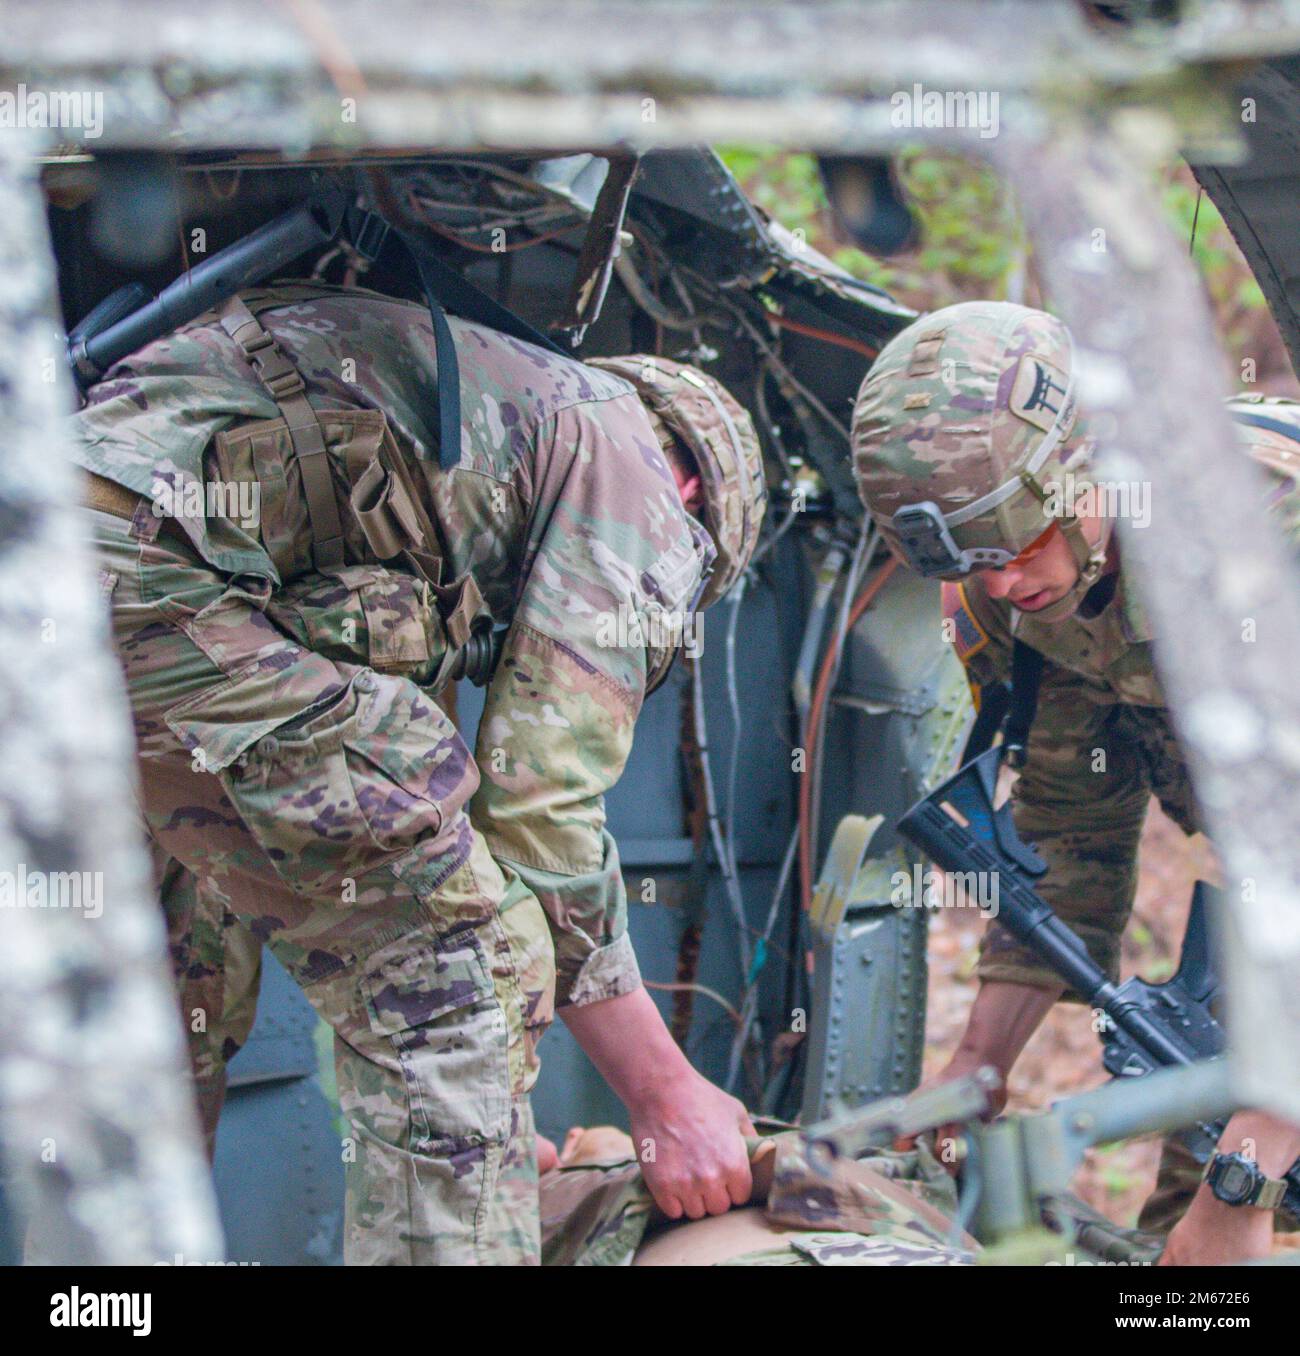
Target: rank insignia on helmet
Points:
(1037, 393)
(960, 623)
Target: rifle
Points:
(129, 318)
(1148, 1026)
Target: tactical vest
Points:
(385, 506)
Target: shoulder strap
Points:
(1026, 675)
(992, 703)
(286, 387)
(443, 286)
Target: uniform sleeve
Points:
(611, 556)
(977, 631)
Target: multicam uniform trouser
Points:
(318, 805)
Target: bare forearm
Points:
(1002, 1019)
(1215, 1233)
(689, 1135)
(1273, 1143)
(627, 1041)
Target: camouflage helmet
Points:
(962, 428)
(699, 412)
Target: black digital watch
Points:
(1237, 1180)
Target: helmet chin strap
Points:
(1090, 559)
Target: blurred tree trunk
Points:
(97, 1127)
(1218, 580)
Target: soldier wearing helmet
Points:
(976, 463)
(293, 575)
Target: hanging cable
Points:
(731, 886)
(863, 601)
(694, 988)
(862, 554)
(825, 336)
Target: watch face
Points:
(1235, 1181)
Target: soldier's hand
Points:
(548, 1156)
(690, 1139)
(947, 1138)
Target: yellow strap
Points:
(286, 387)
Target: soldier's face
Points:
(687, 477)
(1042, 573)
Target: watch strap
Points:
(1267, 1193)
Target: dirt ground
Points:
(1065, 1056)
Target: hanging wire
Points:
(731, 886)
(857, 568)
(1196, 216)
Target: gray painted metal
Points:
(899, 719)
(867, 1024)
(279, 1164)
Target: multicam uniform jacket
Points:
(292, 761)
(1100, 746)
(1101, 742)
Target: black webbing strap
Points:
(462, 298)
(1026, 674)
(995, 701)
(444, 287)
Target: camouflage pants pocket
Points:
(364, 778)
(438, 1119)
(410, 769)
(436, 1001)
(365, 614)
(520, 951)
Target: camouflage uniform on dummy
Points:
(296, 775)
(893, 1209)
(960, 411)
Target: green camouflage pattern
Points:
(341, 841)
(878, 1212)
(1101, 746)
(856, 1196)
(954, 407)
(853, 1250)
(1101, 742)
(562, 507)
(218, 965)
(299, 782)
(696, 409)
(593, 1215)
